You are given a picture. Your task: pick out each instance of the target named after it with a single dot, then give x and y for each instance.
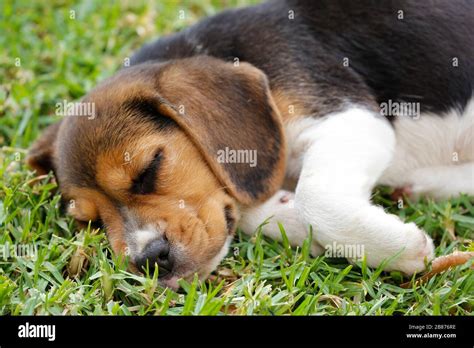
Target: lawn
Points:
(58, 50)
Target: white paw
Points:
(279, 209)
(419, 250)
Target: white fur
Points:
(297, 148)
(348, 153)
(434, 154)
(340, 158)
(137, 236)
(142, 237)
(276, 211)
(336, 178)
(137, 239)
(214, 262)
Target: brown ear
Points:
(41, 154)
(229, 113)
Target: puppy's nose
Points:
(156, 252)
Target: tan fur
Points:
(97, 160)
(190, 89)
(41, 155)
(290, 106)
(87, 201)
(189, 199)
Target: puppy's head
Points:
(172, 151)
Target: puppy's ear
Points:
(41, 154)
(229, 113)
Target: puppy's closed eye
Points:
(95, 224)
(230, 218)
(145, 182)
(82, 222)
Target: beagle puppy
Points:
(199, 133)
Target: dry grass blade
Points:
(441, 264)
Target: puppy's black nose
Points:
(156, 252)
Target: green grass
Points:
(75, 271)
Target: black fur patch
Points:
(389, 58)
(145, 183)
(229, 218)
(148, 109)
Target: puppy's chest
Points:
(298, 134)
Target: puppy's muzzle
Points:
(156, 252)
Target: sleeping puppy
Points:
(199, 133)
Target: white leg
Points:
(346, 154)
(278, 209)
(434, 154)
(443, 181)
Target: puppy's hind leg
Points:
(278, 209)
(443, 182)
(346, 154)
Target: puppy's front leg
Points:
(280, 208)
(345, 155)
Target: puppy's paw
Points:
(279, 208)
(419, 250)
(402, 192)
